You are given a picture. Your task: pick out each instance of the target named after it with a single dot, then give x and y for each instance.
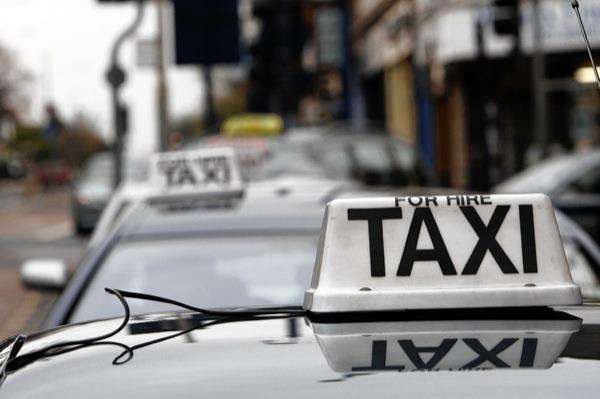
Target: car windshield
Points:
(215, 272)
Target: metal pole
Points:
(538, 76)
(116, 77)
(210, 115)
(161, 89)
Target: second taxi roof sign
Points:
(455, 251)
(211, 172)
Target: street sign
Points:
(146, 53)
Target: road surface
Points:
(31, 226)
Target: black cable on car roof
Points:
(15, 361)
(265, 311)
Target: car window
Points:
(207, 272)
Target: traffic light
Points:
(506, 17)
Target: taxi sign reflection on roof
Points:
(435, 252)
(211, 171)
(444, 345)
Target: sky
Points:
(65, 45)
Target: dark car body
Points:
(541, 354)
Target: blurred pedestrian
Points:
(175, 140)
(54, 124)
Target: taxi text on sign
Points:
(456, 251)
(202, 171)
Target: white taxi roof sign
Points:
(439, 252)
(210, 172)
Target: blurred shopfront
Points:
(440, 75)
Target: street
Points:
(32, 225)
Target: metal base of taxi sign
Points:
(440, 252)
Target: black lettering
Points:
(399, 200)
(186, 176)
(438, 253)
(485, 355)
(528, 352)
(528, 239)
(472, 198)
(375, 218)
(215, 169)
(378, 359)
(169, 168)
(486, 200)
(487, 240)
(178, 172)
(431, 199)
(415, 201)
(439, 352)
(449, 199)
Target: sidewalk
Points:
(24, 215)
(31, 226)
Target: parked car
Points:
(337, 151)
(573, 183)
(93, 188)
(91, 191)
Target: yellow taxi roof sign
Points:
(436, 252)
(253, 125)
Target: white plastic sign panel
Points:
(455, 251)
(444, 345)
(203, 171)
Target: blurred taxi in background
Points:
(573, 183)
(256, 244)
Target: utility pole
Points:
(161, 88)
(116, 76)
(210, 118)
(538, 68)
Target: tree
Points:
(14, 80)
(79, 140)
